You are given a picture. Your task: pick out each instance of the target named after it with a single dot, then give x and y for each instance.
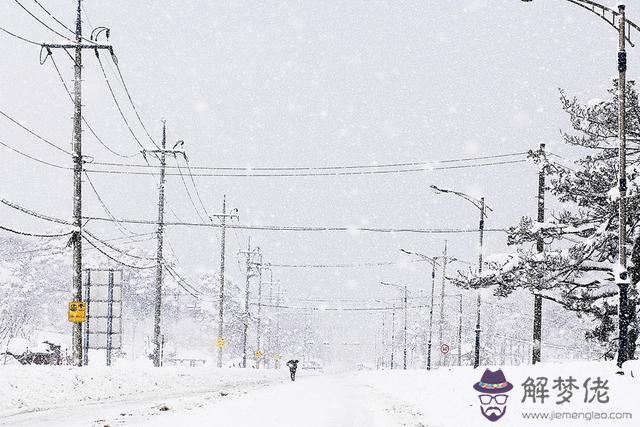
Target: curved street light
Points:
(434, 262)
(480, 205)
(402, 287)
(618, 20)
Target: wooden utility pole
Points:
(537, 298)
(223, 220)
(444, 279)
(393, 331)
(245, 329)
(76, 334)
(157, 337)
(157, 320)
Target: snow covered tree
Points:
(577, 267)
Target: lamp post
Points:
(402, 287)
(480, 205)
(434, 262)
(619, 21)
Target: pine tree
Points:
(576, 268)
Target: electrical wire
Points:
(19, 37)
(311, 174)
(305, 228)
(43, 23)
(115, 259)
(115, 100)
(84, 120)
(121, 251)
(133, 105)
(193, 182)
(15, 150)
(46, 141)
(320, 168)
(24, 233)
(340, 308)
(54, 18)
(189, 194)
(121, 227)
(349, 265)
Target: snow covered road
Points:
(338, 400)
(316, 401)
(135, 396)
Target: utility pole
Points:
(223, 220)
(269, 350)
(76, 333)
(623, 279)
(157, 337)
(393, 331)
(382, 344)
(245, 330)
(433, 284)
(259, 320)
(444, 278)
(460, 331)
(404, 361)
(476, 360)
(278, 356)
(537, 298)
(161, 154)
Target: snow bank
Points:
(34, 388)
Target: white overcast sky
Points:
(310, 83)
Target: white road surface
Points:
(339, 400)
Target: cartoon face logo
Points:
(493, 388)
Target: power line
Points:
(15, 150)
(258, 227)
(347, 173)
(193, 181)
(115, 259)
(19, 37)
(189, 194)
(347, 265)
(306, 228)
(46, 141)
(84, 120)
(121, 227)
(338, 308)
(115, 100)
(24, 233)
(43, 23)
(53, 17)
(320, 168)
(133, 105)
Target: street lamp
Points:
(618, 21)
(434, 261)
(402, 287)
(479, 204)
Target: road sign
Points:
(103, 325)
(220, 342)
(444, 348)
(77, 312)
(258, 354)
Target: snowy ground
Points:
(38, 396)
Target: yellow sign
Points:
(258, 354)
(77, 312)
(220, 342)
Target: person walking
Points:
(293, 365)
